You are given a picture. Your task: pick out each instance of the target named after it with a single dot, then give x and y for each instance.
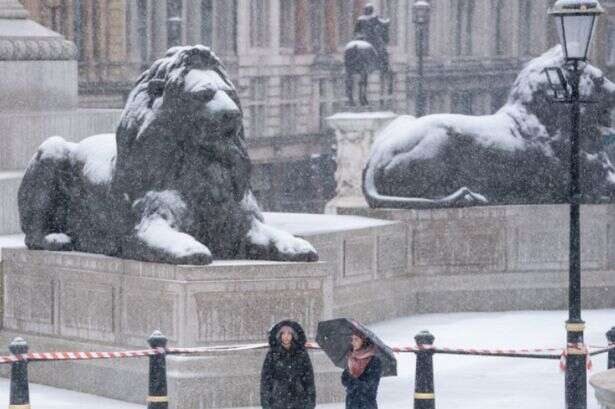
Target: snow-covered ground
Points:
(462, 382)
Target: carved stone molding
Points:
(37, 49)
(354, 133)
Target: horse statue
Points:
(519, 155)
(367, 53)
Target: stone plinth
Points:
(604, 388)
(95, 298)
(63, 301)
(503, 257)
(354, 133)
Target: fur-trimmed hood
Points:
(298, 342)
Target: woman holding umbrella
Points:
(287, 378)
(362, 374)
(362, 355)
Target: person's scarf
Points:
(358, 360)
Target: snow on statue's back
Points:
(172, 185)
(518, 155)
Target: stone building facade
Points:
(286, 59)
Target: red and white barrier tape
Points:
(584, 349)
(77, 356)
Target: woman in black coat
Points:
(362, 374)
(287, 378)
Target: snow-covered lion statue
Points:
(520, 154)
(172, 185)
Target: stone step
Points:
(22, 133)
(9, 216)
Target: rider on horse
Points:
(374, 30)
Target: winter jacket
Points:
(361, 392)
(287, 378)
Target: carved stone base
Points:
(354, 133)
(75, 301)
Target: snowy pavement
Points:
(462, 382)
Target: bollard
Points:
(610, 336)
(157, 398)
(424, 397)
(20, 392)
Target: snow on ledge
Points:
(312, 224)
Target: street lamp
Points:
(576, 23)
(420, 17)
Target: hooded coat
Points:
(287, 378)
(361, 392)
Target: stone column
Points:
(354, 133)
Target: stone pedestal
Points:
(75, 302)
(354, 133)
(38, 99)
(604, 388)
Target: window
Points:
(78, 29)
(331, 98)
(317, 25)
(207, 22)
(259, 23)
(257, 107)
(142, 31)
(436, 102)
(499, 34)
(498, 99)
(390, 11)
(345, 24)
(225, 30)
(463, 31)
(289, 105)
(174, 22)
(525, 27)
(287, 23)
(462, 103)
(609, 56)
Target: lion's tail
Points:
(461, 197)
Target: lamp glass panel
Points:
(575, 33)
(554, 78)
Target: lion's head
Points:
(184, 103)
(531, 94)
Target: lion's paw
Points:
(295, 250)
(269, 243)
(57, 242)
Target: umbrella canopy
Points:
(333, 336)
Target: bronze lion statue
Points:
(519, 155)
(171, 186)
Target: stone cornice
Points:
(23, 49)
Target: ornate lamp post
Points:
(576, 22)
(420, 17)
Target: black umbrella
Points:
(333, 336)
